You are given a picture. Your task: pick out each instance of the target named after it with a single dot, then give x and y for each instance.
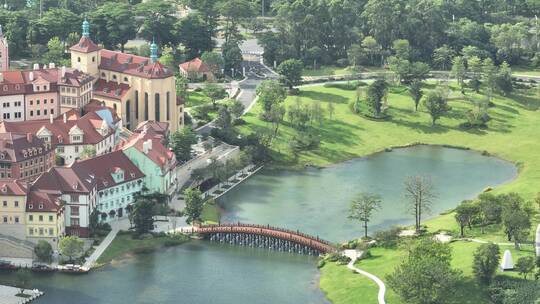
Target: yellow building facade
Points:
(12, 208)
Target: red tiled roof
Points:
(159, 154)
(85, 45)
(132, 65)
(60, 130)
(95, 105)
(13, 187)
(49, 201)
(72, 179)
(101, 167)
(111, 89)
(20, 82)
(161, 128)
(195, 65)
(16, 147)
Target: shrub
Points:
(388, 238)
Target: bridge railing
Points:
(268, 227)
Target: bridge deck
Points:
(268, 231)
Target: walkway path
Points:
(91, 260)
(353, 255)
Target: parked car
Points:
(7, 265)
(41, 267)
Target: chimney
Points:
(31, 76)
(29, 137)
(51, 65)
(63, 71)
(51, 118)
(36, 66)
(65, 118)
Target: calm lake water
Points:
(315, 201)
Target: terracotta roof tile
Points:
(111, 89)
(195, 65)
(13, 187)
(132, 65)
(85, 45)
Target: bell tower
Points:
(85, 54)
(4, 52)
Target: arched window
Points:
(156, 107)
(145, 106)
(128, 110)
(114, 106)
(136, 104)
(168, 100)
(78, 59)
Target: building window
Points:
(75, 211)
(16, 203)
(93, 58)
(103, 75)
(75, 222)
(128, 110)
(40, 230)
(156, 107)
(4, 203)
(114, 77)
(31, 113)
(51, 231)
(44, 101)
(40, 218)
(30, 218)
(78, 59)
(16, 220)
(168, 99)
(31, 231)
(145, 106)
(50, 218)
(5, 219)
(136, 104)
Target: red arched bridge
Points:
(261, 236)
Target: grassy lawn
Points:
(124, 244)
(348, 135)
(210, 213)
(525, 71)
(196, 99)
(343, 286)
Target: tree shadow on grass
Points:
(527, 102)
(506, 109)
(324, 97)
(468, 291)
(423, 127)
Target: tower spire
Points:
(153, 50)
(86, 28)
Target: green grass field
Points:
(328, 70)
(512, 134)
(124, 244)
(341, 285)
(196, 99)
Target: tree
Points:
(158, 21)
(232, 57)
(362, 208)
(415, 90)
(375, 95)
(489, 70)
(88, 152)
(194, 205)
(56, 22)
(181, 142)
(214, 92)
(71, 246)
(402, 49)
(167, 58)
(503, 79)
(143, 215)
(420, 195)
(224, 119)
(55, 51)
(436, 105)
(213, 60)
(537, 199)
(442, 57)
(270, 92)
(525, 265)
(516, 224)
(277, 112)
(234, 12)
(290, 71)
(43, 250)
(331, 110)
(236, 108)
(490, 209)
(113, 24)
(371, 47)
(459, 71)
(425, 276)
(465, 214)
(195, 35)
(486, 261)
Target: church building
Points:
(137, 88)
